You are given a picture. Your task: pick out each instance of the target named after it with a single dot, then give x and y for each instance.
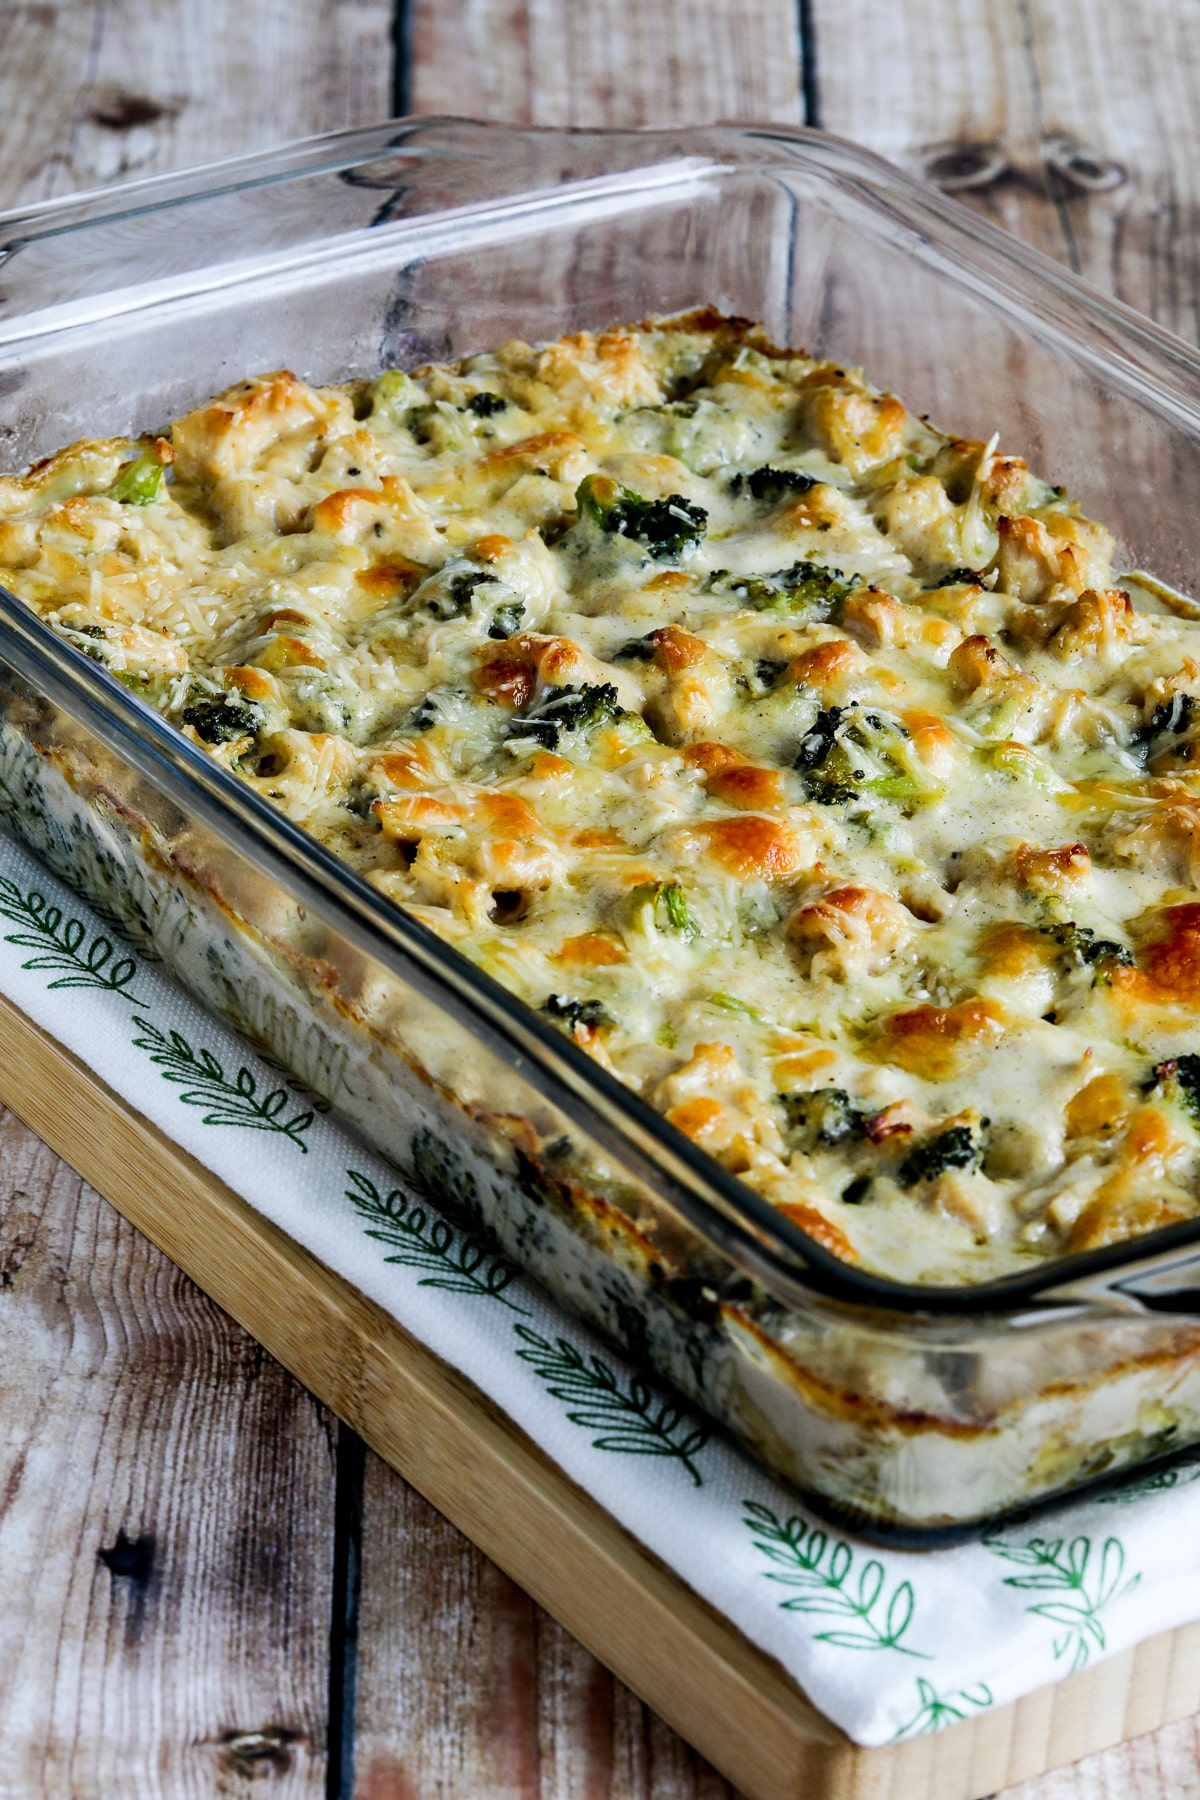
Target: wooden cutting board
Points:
(728, 1698)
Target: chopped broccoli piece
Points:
(731, 1004)
(668, 904)
(667, 527)
(1086, 951)
(1174, 717)
(1178, 1079)
(957, 1148)
(385, 394)
(807, 586)
(438, 423)
(577, 1012)
(955, 578)
(451, 598)
(559, 709)
(506, 620)
(220, 720)
(767, 671)
(139, 481)
(485, 404)
(643, 649)
(773, 484)
(820, 1119)
(847, 754)
(856, 1191)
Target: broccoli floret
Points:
(506, 620)
(560, 709)
(806, 586)
(485, 405)
(848, 754)
(1178, 1079)
(669, 905)
(822, 1118)
(576, 1012)
(957, 1148)
(1084, 950)
(139, 481)
(772, 484)
(954, 578)
(220, 720)
(667, 527)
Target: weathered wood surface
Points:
(166, 1511)
(144, 1410)
(166, 1490)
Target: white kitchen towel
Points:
(887, 1643)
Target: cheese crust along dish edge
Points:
(810, 768)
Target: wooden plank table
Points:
(207, 1583)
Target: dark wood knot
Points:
(120, 111)
(1080, 167)
(959, 164)
(255, 1753)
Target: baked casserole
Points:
(808, 767)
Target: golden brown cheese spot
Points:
(815, 1225)
(880, 621)
(1100, 1109)
(976, 665)
(287, 652)
(936, 746)
(1051, 871)
(251, 681)
(855, 428)
(728, 777)
(552, 451)
(1112, 1218)
(678, 649)
(939, 1042)
(857, 928)
(591, 950)
(1099, 623)
(1140, 1196)
(233, 431)
(1007, 480)
(1168, 969)
(389, 580)
(506, 679)
(699, 1118)
(1012, 949)
(1035, 555)
(828, 668)
(751, 847)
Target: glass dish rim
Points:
(735, 1220)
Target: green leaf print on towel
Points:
(934, 1713)
(63, 944)
(1079, 1581)
(631, 1419)
(822, 1568)
(204, 1082)
(453, 1260)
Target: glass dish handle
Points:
(1168, 1282)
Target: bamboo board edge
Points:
(461, 1451)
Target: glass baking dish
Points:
(919, 1410)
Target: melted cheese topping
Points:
(804, 763)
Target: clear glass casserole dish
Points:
(915, 1409)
